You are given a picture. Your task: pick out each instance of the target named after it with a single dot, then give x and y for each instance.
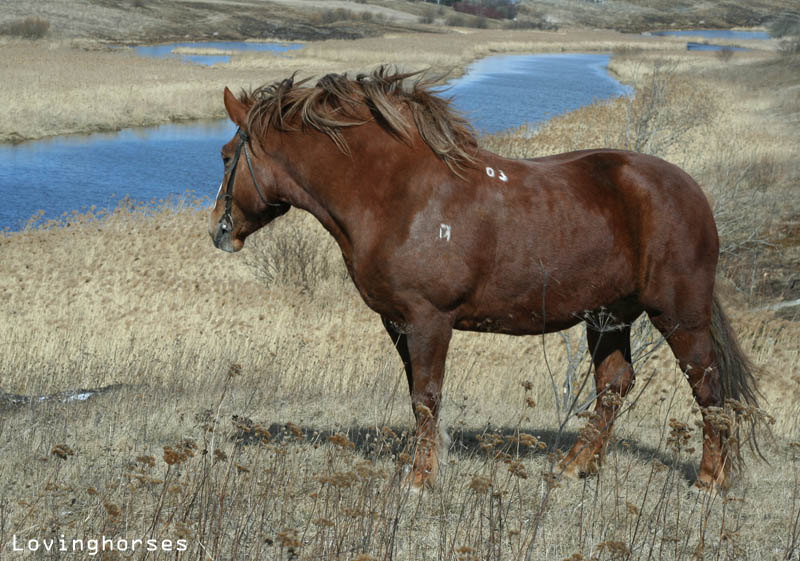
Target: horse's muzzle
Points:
(222, 235)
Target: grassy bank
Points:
(261, 410)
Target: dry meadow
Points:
(257, 410)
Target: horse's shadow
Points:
(392, 441)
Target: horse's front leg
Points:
(423, 348)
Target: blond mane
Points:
(337, 102)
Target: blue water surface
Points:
(502, 92)
(163, 51)
(692, 46)
(77, 172)
(715, 34)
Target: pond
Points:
(163, 51)
(715, 34)
(502, 92)
(63, 174)
(692, 46)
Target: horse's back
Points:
(584, 230)
(668, 222)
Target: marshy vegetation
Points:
(262, 411)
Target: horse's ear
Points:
(237, 110)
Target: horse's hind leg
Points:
(693, 346)
(611, 354)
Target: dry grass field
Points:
(259, 411)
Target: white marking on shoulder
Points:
(444, 232)
(499, 174)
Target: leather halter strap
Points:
(227, 220)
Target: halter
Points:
(226, 222)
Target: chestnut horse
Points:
(438, 234)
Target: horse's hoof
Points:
(570, 470)
(574, 470)
(418, 481)
(710, 488)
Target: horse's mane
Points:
(337, 101)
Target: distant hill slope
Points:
(648, 15)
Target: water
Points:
(163, 51)
(502, 92)
(77, 172)
(692, 46)
(716, 34)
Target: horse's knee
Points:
(706, 386)
(615, 374)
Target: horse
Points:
(438, 234)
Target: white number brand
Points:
(500, 174)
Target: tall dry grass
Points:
(263, 412)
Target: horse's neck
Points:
(339, 190)
(324, 195)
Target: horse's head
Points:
(248, 196)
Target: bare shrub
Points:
(725, 54)
(28, 28)
(626, 50)
(746, 203)
(289, 255)
(785, 26)
(666, 107)
(530, 22)
(428, 15)
(332, 16)
(790, 47)
(456, 20)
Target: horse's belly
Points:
(537, 306)
(519, 323)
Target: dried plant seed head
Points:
(62, 451)
(341, 441)
(219, 456)
(480, 484)
(295, 430)
(148, 461)
(516, 469)
(423, 411)
(112, 509)
(288, 538)
(173, 457)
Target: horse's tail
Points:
(736, 373)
